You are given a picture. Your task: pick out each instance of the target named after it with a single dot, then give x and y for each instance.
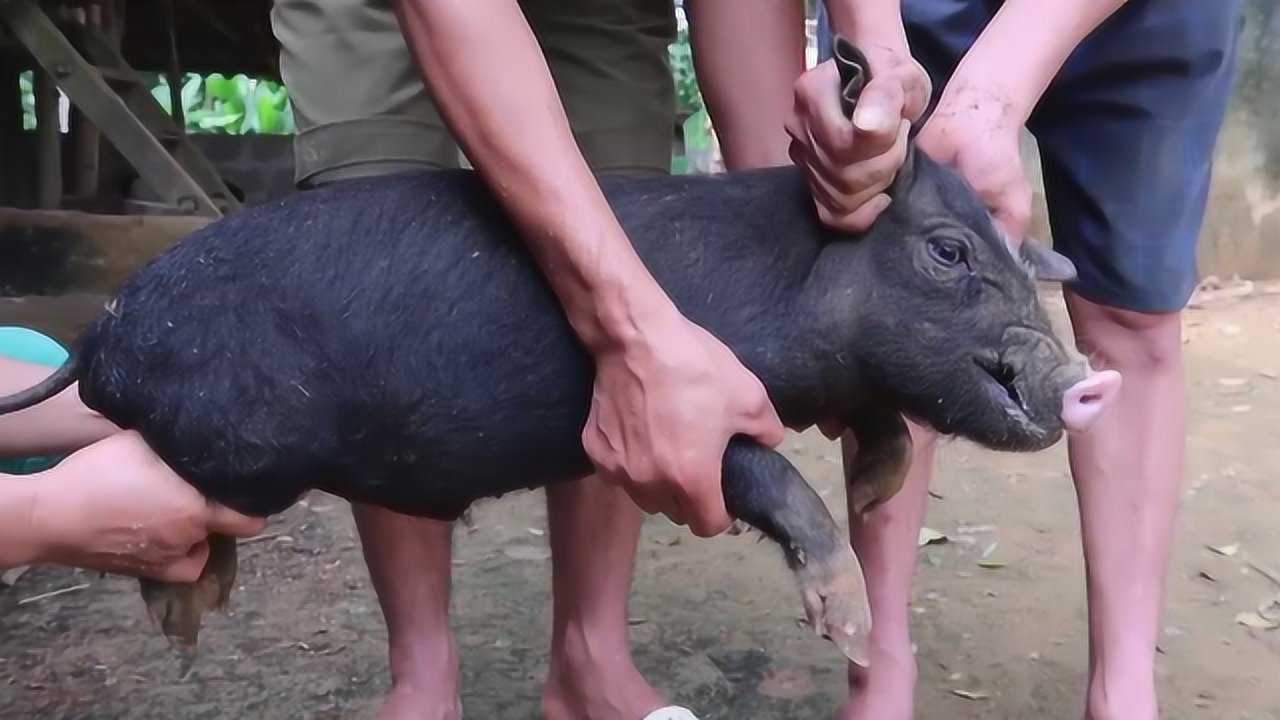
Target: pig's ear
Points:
(1045, 264)
(906, 174)
(855, 74)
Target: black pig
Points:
(391, 341)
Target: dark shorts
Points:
(1126, 134)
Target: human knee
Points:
(1128, 340)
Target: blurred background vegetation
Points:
(236, 105)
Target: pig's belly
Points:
(431, 455)
(254, 409)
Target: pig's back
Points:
(387, 340)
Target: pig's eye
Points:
(946, 252)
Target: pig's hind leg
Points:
(177, 609)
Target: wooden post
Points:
(175, 67)
(87, 154)
(48, 142)
(12, 178)
(86, 140)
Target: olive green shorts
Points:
(361, 106)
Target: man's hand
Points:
(974, 131)
(116, 507)
(850, 164)
(665, 406)
(668, 395)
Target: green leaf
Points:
(271, 102)
(219, 120)
(161, 94)
(192, 95)
(218, 87)
(243, 86)
(270, 119)
(27, 99)
(680, 56)
(287, 126)
(697, 131)
(234, 105)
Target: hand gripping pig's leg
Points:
(878, 469)
(764, 490)
(177, 608)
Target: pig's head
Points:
(951, 326)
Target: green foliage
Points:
(690, 108)
(236, 105)
(26, 90)
(688, 95)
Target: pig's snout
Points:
(1084, 402)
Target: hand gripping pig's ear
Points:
(855, 74)
(1041, 262)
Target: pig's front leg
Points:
(877, 470)
(762, 489)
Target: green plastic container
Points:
(32, 347)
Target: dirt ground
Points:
(714, 621)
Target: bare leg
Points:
(409, 562)
(594, 531)
(758, 39)
(1127, 472)
(885, 540)
(61, 424)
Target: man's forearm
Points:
(493, 87)
(58, 425)
(18, 542)
(1025, 45)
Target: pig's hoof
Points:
(178, 608)
(836, 604)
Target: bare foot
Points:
(424, 682)
(593, 680)
(885, 693)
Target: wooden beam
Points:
(85, 87)
(55, 252)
